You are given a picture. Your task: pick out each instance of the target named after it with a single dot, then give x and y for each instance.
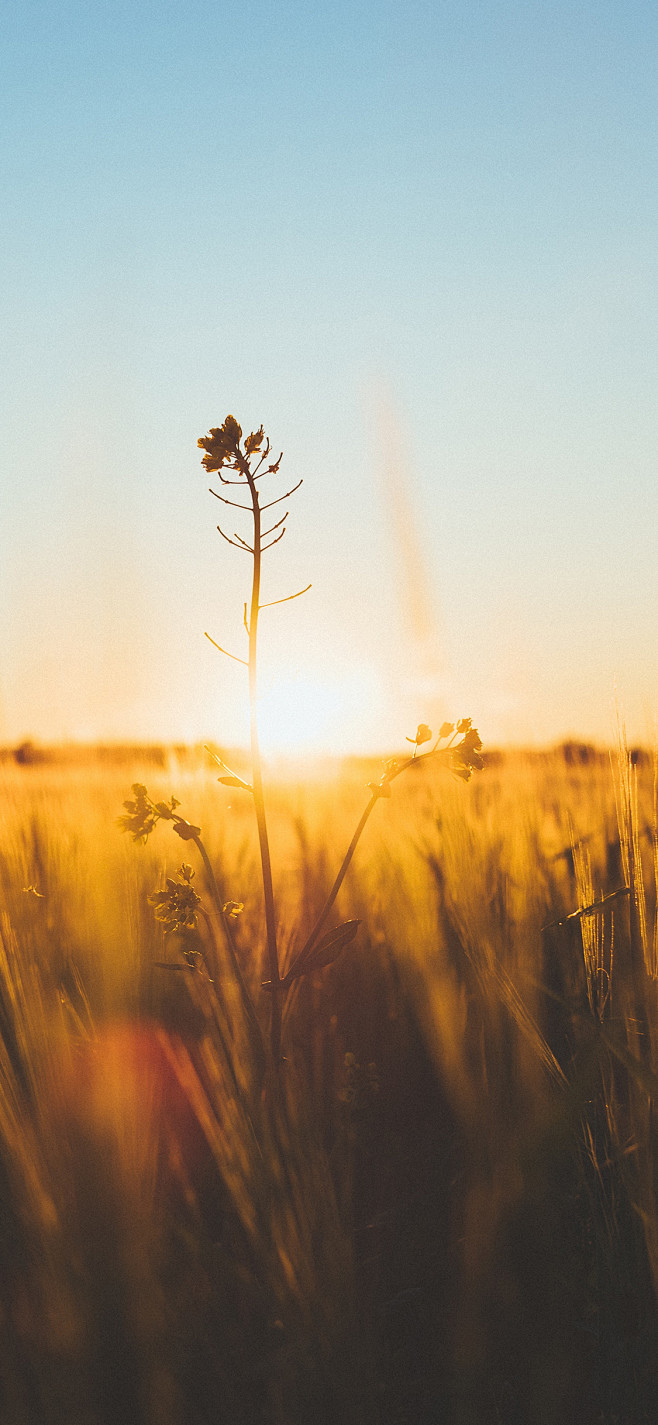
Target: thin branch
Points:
(438, 740)
(263, 456)
(224, 767)
(377, 793)
(273, 468)
(275, 526)
(281, 497)
(243, 542)
(225, 650)
(310, 942)
(272, 542)
(594, 909)
(284, 601)
(224, 501)
(232, 541)
(244, 620)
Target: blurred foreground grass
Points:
(453, 1217)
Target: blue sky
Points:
(422, 228)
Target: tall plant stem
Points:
(377, 793)
(257, 775)
(319, 924)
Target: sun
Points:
(304, 713)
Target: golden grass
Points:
(466, 1232)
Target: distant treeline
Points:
(117, 754)
(29, 754)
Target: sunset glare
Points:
(417, 242)
(301, 714)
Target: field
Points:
(447, 1210)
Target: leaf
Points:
(186, 831)
(166, 809)
(171, 965)
(327, 949)
(235, 782)
(254, 441)
(232, 430)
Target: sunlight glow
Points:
(312, 713)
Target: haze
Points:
(418, 242)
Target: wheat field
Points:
(452, 1214)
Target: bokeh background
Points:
(418, 241)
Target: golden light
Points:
(302, 713)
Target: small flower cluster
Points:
(447, 728)
(382, 788)
(361, 1082)
(466, 757)
(423, 734)
(142, 816)
(176, 905)
(222, 447)
(463, 757)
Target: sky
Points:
(419, 242)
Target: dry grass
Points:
(466, 1232)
